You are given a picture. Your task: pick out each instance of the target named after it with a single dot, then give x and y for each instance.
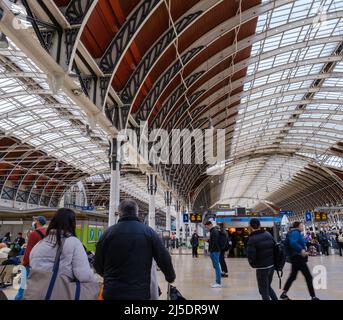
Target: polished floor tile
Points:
(194, 277)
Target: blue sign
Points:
(308, 216)
(287, 212)
(185, 218)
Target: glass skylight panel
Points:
(265, 112)
(338, 67)
(32, 119)
(280, 16)
(333, 82)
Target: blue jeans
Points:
(215, 261)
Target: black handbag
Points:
(174, 294)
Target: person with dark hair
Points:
(214, 250)
(195, 244)
(6, 238)
(124, 256)
(296, 247)
(20, 240)
(260, 251)
(324, 242)
(73, 261)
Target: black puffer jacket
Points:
(261, 249)
(123, 257)
(214, 240)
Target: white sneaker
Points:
(216, 285)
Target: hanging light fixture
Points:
(57, 167)
(93, 184)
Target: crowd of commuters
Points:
(127, 257)
(129, 254)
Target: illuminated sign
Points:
(317, 216)
(231, 212)
(320, 216)
(196, 217)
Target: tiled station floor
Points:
(194, 277)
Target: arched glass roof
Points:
(292, 100)
(268, 71)
(49, 122)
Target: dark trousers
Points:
(223, 262)
(299, 264)
(195, 252)
(340, 247)
(264, 280)
(325, 250)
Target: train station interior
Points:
(198, 110)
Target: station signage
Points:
(185, 218)
(231, 212)
(287, 212)
(320, 216)
(308, 216)
(223, 206)
(196, 217)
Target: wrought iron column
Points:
(152, 188)
(115, 181)
(168, 201)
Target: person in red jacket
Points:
(35, 236)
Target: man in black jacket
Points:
(195, 244)
(124, 256)
(261, 257)
(214, 250)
